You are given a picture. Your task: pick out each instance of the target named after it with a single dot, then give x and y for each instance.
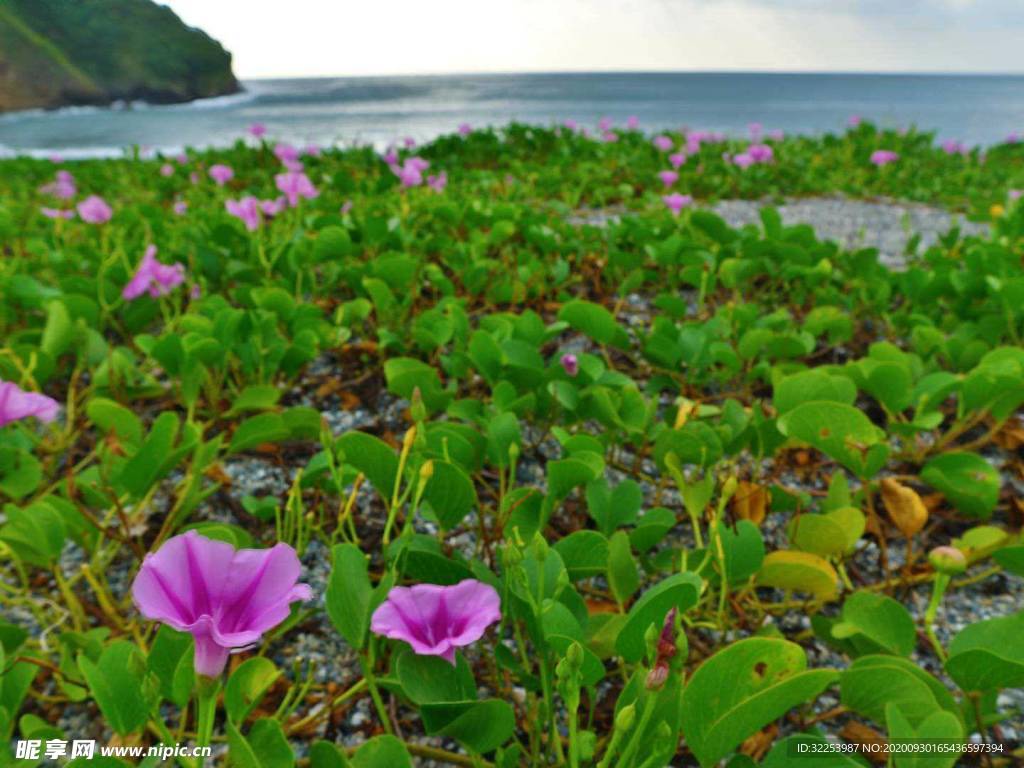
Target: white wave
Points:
(221, 102)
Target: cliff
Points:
(56, 53)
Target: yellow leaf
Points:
(801, 572)
(904, 506)
(750, 502)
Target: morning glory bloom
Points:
(63, 187)
(632, 122)
(668, 178)
(610, 137)
(1016, 194)
(744, 160)
(570, 364)
(295, 185)
(153, 278)
(247, 209)
(17, 404)
(676, 202)
(409, 142)
(166, 170)
(180, 207)
(259, 130)
(570, 125)
(1013, 138)
(57, 213)
(604, 124)
(311, 150)
(676, 159)
(882, 157)
(762, 153)
(954, 147)
(94, 210)
(438, 182)
(437, 620)
(286, 153)
(225, 598)
(854, 120)
(756, 131)
(221, 174)
(465, 129)
(273, 207)
(663, 143)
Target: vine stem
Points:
(206, 708)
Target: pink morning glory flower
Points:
(465, 129)
(286, 153)
(410, 173)
(610, 137)
(954, 147)
(437, 620)
(57, 213)
(153, 278)
(180, 207)
(63, 187)
(1013, 138)
(743, 160)
(182, 159)
(676, 159)
(663, 143)
(94, 210)
(882, 157)
(762, 153)
(1016, 194)
(259, 130)
(221, 174)
(273, 207)
(17, 404)
(409, 142)
(570, 124)
(166, 170)
(854, 120)
(438, 182)
(676, 202)
(777, 134)
(295, 185)
(604, 124)
(756, 131)
(570, 364)
(225, 598)
(668, 178)
(311, 150)
(391, 156)
(247, 209)
(632, 122)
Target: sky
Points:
(298, 38)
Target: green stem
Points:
(634, 741)
(938, 590)
(378, 702)
(206, 708)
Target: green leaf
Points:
(432, 680)
(585, 553)
(257, 430)
(115, 681)
(246, 687)
(20, 472)
(479, 726)
(264, 747)
(840, 431)
(325, 754)
(967, 480)
(59, 332)
(373, 457)
(566, 474)
(743, 547)
(741, 689)
(382, 752)
(450, 493)
(808, 386)
(988, 655)
(881, 621)
(349, 594)
(940, 726)
(596, 322)
(613, 508)
(680, 591)
(255, 397)
(623, 577)
(113, 417)
(171, 660)
(872, 682)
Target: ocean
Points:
(977, 109)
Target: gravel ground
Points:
(885, 225)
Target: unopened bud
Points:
(626, 717)
(657, 676)
(729, 487)
(948, 560)
(410, 436)
(417, 407)
(427, 470)
(574, 655)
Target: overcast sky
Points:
(271, 38)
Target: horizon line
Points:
(565, 72)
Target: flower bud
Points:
(657, 676)
(626, 717)
(574, 655)
(948, 560)
(417, 408)
(427, 470)
(729, 487)
(410, 436)
(570, 364)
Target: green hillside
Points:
(59, 52)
